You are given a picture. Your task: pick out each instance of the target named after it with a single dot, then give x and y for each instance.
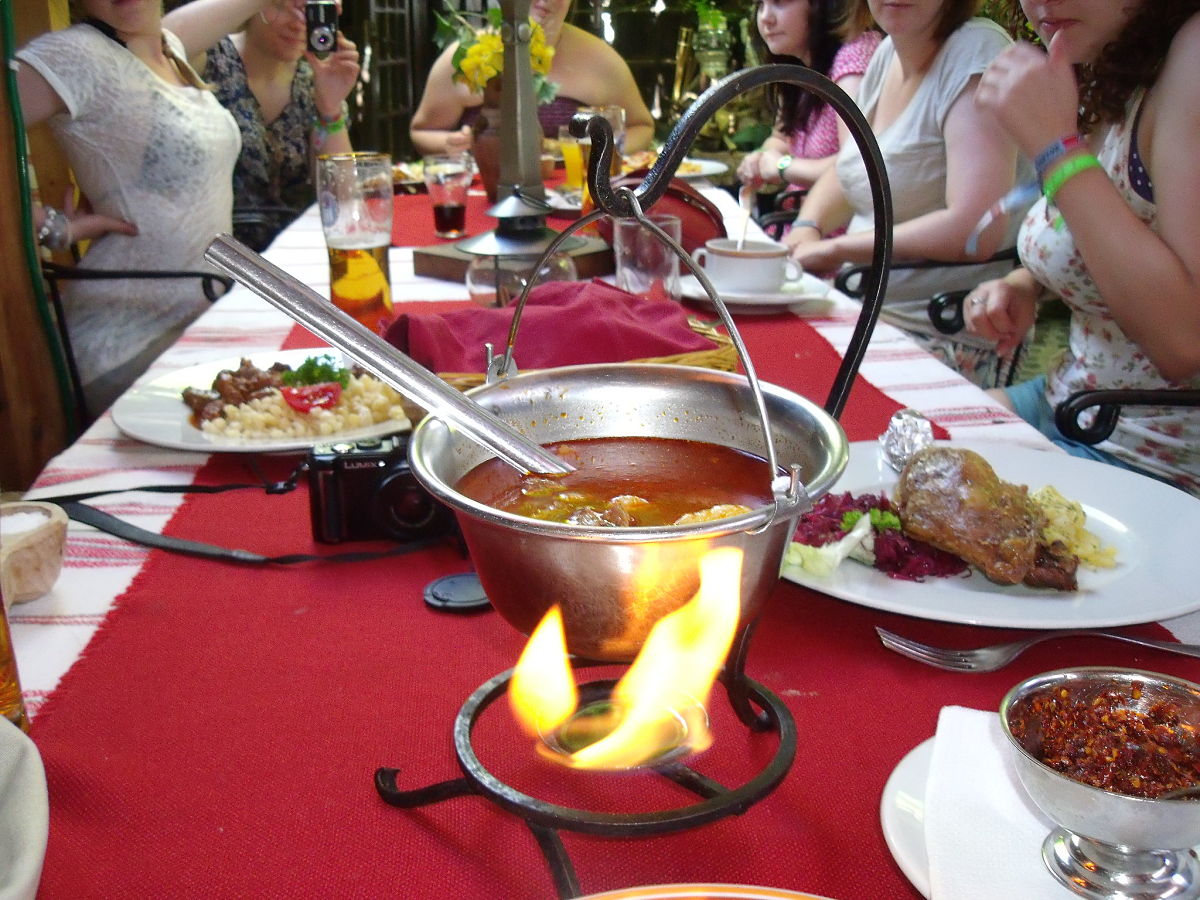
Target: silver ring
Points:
(976, 300)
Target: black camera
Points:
(364, 490)
(320, 20)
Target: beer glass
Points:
(354, 191)
(12, 706)
(616, 118)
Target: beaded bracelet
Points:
(1053, 153)
(1066, 172)
(55, 233)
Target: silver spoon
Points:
(379, 357)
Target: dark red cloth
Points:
(563, 323)
(219, 735)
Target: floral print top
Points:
(1162, 440)
(274, 168)
(821, 138)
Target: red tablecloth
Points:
(219, 736)
(412, 219)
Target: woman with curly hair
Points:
(1109, 113)
(831, 37)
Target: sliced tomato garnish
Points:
(307, 397)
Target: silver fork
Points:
(996, 656)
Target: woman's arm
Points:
(826, 208)
(980, 169)
(202, 23)
(333, 79)
(433, 128)
(39, 101)
(1150, 280)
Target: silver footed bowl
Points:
(1107, 844)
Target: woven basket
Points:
(722, 356)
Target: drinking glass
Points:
(616, 118)
(576, 153)
(12, 706)
(447, 177)
(354, 191)
(645, 265)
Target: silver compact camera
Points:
(321, 26)
(364, 490)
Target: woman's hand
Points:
(821, 257)
(462, 139)
(1002, 310)
(334, 77)
(760, 167)
(1032, 94)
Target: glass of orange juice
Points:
(576, 153)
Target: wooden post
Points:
(32, 422)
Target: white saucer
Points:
(807, 294)
(902, 814)
(25, 813)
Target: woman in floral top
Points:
(289, 106)
(1116, 234)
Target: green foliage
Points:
(317, 370)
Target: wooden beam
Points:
(33, 426)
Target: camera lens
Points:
(405, 510)
(321, 39)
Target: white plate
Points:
(807, 294)
(702, 892)
(24, 814)
(1152, 525)
(701, 168)
(902, 814)
(154, 412)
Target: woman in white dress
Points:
(947, 163)
(153, 152)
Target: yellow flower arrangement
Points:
(480, 54)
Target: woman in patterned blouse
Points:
(1109, 112)
(289, 106)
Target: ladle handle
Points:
(379, 357)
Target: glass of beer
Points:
(576, 152)
(447, 178)
(354, 191)
(12, 706)
(616, 118)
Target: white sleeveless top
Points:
(914, 151)
(154, 153)
(1164, 440)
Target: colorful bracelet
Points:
(1056, 151)
(1066, 172)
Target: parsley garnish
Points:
(317, 370)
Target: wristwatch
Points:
(782, 165)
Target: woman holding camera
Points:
(289, 105)
(152, 151)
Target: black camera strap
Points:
(75, 508)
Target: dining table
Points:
(213, 728)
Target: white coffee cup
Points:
(755, 267)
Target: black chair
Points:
(257, 226)
(946, 307)
(213, 285)
(782, 212)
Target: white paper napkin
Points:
(982, 832)
(24, 814)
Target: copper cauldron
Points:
(527, 565)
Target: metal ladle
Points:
(373, 353)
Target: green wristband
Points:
(1065, 172)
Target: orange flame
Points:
(660, 701)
